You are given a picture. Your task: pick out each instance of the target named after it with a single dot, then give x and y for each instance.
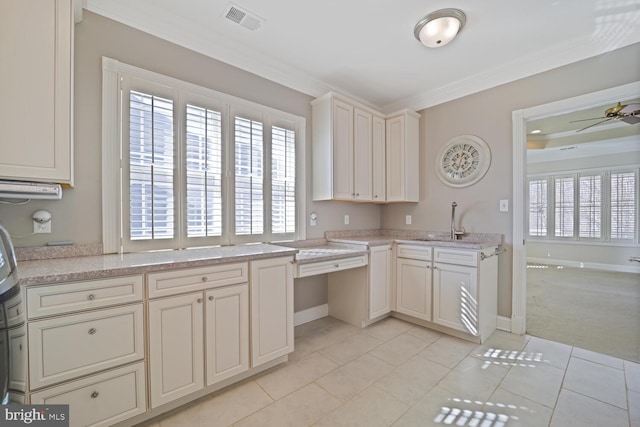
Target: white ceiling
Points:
(366, 49)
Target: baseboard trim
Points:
(587, 265)
(310, 314)
(503, 323)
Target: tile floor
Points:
(394, 373)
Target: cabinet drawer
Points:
(15, 310)
(414, 252)
(313, 268)
(67, 347)
(71, 297)
(456, 256)
(196, 279)
(100, 400)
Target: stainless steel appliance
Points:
(9, 289)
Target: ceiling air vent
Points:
(243, 17)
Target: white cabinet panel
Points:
(403, 158)
(379, 157)
(271, 309)
(413, 288)
(18, 358)
(455, 297)
(227, 332)
(379, 281)
(342, 151)
(196, 279)
(362, 155)
(176, 347)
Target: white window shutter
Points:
(590, 206)
(283, 180)
(623, 205)
(249, 179)
(538, 208)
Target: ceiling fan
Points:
(629, 113)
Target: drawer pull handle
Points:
(199, 300)
(336, 265)
(210, 297)
(91, 297)
(205, 278)
(95, 394)
(92, 331)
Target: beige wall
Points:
(487, 114)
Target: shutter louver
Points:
(590, 206)
(564, 206)
(203, 172)
(623, 205)
(151, 157)
(538, 208)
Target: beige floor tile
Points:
(398, 350)
(522, 412)
(221, 409)
(553, 353)
(372, 408)
(440, 407)
(413, 379)
(632, 374)
(600, 358)
(301, 408)
(541, 383)
(388, 328)
(448, 351)
(295, 375)
(503, 341)
(350, 379)
(634, 407)
(350, 348)
(596, 381)
(576, 410)
(473, 379)
(426, 335)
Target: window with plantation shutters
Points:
(151, 161)
(191, 166)
(564, 206)
(538, 207)
(249, 177)
(624, 187)
(599, 205)
(283, 180)
(203, 172)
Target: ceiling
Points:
(365, 49)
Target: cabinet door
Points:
(379, 281)
(362, 155)
(455, 297)
(36, 86)
(413, 293)
(271, 309)
(395, 159)
(227, 332)
(18, 358)
(176, 343)
(342, 151)
(379, 157)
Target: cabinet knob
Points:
(375, 197)
(205, 278)
(92, 331)
(199, 300)
(428, 266)
(95, 394)
(358, 194)
(210, 297)
(336, 265)
(91, 297)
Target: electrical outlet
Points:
(407, 219)
(346, 220)
(504, 206)
(39, 228)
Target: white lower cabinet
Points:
(271, 309)
(380, 280)
(455, 295)
(176, 357)
(100, 400)
(184, 332)
(413, 288)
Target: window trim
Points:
(112, 209)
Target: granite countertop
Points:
(322, 250)
(428, 238)
(94, 267)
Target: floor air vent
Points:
(243, 17)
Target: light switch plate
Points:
(407, 219)
(346, 220)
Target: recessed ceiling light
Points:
(533, 132)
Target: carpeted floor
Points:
(594, 310)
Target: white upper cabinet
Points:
(351, 154)
(36, 87)
(403, 157)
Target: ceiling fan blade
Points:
(632, 120)
(584, 120)
(630, 109)
(595, 124)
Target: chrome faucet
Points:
(455, 233)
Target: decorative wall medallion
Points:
(463, 161)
